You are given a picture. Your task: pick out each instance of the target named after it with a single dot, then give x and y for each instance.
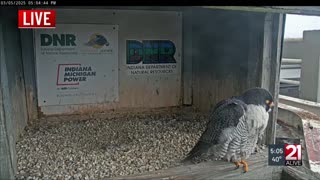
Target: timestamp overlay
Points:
(27, 3)
(276, 155)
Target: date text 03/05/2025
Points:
(27, 3)
(285, 155)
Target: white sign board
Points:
(77, 64)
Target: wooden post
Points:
(28, 60)
(271, 62)
(187, 57)
(7, 166)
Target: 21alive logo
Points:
(36, 19)
(292, 153)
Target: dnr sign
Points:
(57, 40)
(150, 52)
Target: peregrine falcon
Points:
(234, 127)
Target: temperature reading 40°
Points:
(276, 159)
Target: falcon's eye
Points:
(270, 103)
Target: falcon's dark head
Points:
(258, 96)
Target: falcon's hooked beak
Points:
(270, 103)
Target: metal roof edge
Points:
(303, 10)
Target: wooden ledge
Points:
(258, 169)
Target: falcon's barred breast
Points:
(234, 127)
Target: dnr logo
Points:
(57, 40)
(150, 52)
(97, 41)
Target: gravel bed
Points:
(107, 145)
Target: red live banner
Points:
(36, 19)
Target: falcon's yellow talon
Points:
(245, 166)
(237, 163)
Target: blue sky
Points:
(296, 24)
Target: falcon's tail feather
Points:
(200, 148)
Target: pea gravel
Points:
(107, 144)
